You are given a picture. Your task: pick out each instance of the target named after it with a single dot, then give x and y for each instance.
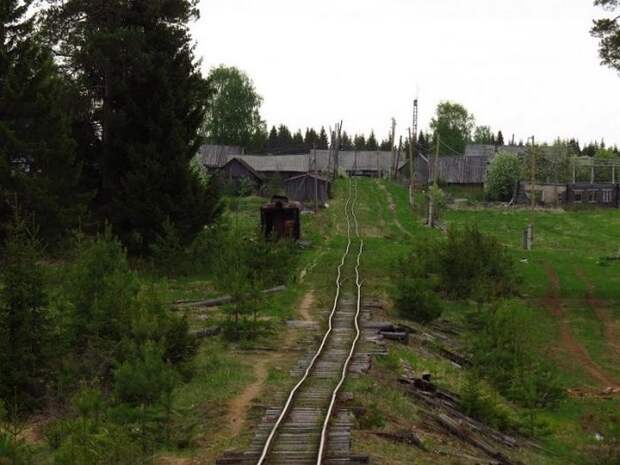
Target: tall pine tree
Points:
(38, 166)
(135, 60)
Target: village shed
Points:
(237, 172)
(308, 189)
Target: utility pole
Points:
(316, 183)
(431, 203)
(393, 148)
(413, 151)
(530, 226)
(400, 148)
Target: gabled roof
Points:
(307, 175)
(244, 164)
(320, 160)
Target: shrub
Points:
(13, 449)
(466, 265)
(102, 289)
(472, 263)
(505, 352)
(243, 269)
(145, 379)
(91, 438)
(370, 417)
(483, 404)
(24, 325)
(168, 253)
(202, 251)
(502, 176)
(416, 300)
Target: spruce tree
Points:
(298, 142)
(359, 142)
(285, 139)
(323, 142)
(311, 139)
(371, 143)
(500, 138)
(38, 166)
(346, 143)
(136, 62)
(272, 140)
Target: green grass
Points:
(572, 243)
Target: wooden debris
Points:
(396, 336)
(460, 430)
(403, 437)
(204, 333)
(219, 300)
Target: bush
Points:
(416, 300)
(168, 253)
(467, 264)
(13, 449)
(145, 379)
(484, 405)
(25, 333)
(502, 176)
(91, 438)
(243, 269)
(505, 352)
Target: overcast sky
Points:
(527, 67)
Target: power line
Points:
(448, 147)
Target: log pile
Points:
(442, 412)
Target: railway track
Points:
(307, 430)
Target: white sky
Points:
(527, 67)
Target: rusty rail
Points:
(289, 402)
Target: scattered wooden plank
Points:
(216, 302)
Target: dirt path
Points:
(239, 406)
(610, 328)
(569, 343)
(392, 207)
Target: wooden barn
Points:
(237, 172)
(308, 189)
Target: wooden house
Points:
(308, 189)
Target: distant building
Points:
(451, 170)
(323, 162)
(556, 194)
(308, 188)
(237, 172)
(607, 195)
(490, 151)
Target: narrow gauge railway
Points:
(302, 433)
